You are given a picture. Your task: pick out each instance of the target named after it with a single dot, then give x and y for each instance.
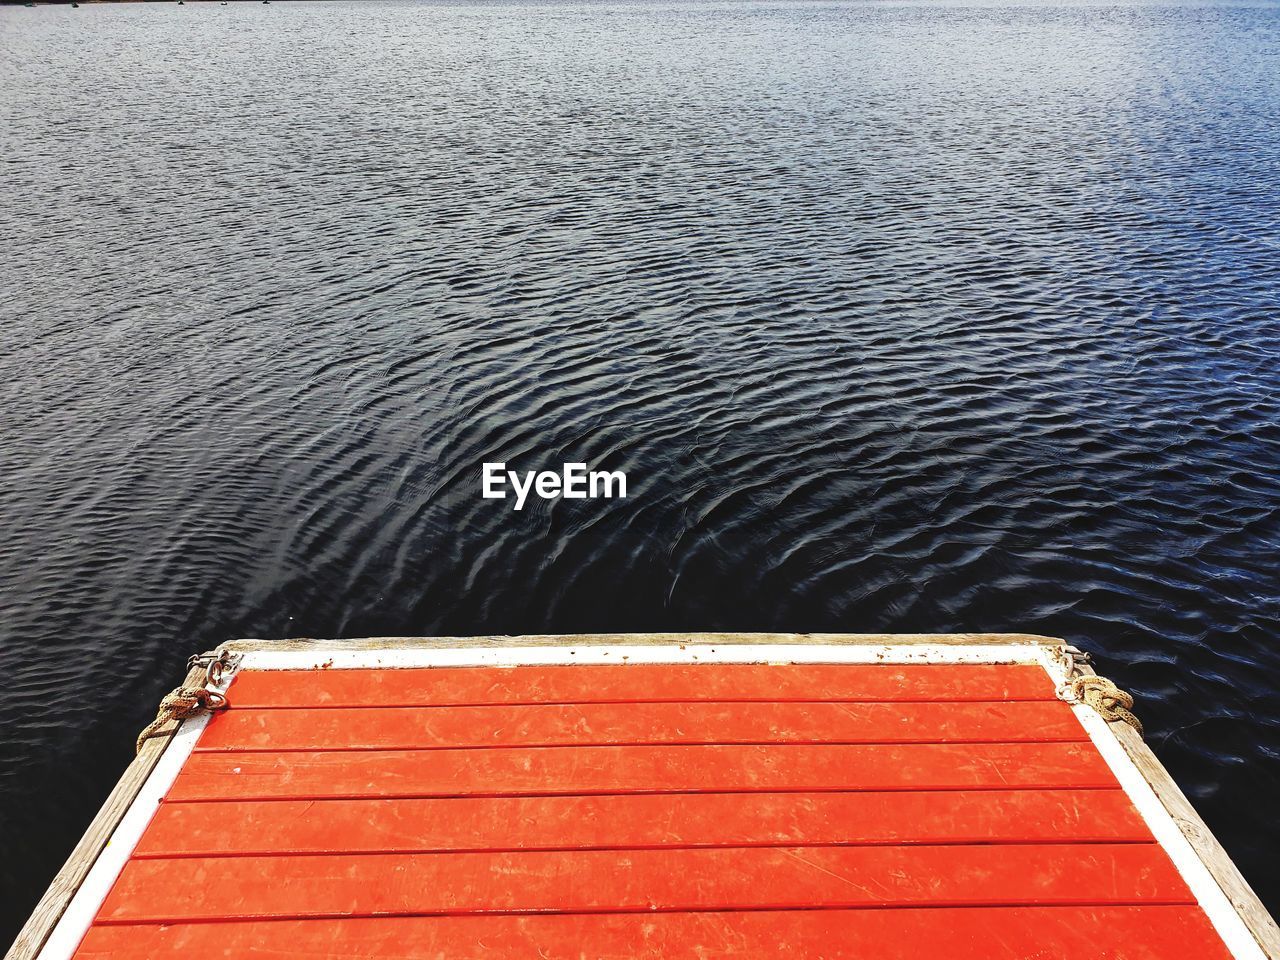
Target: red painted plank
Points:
(715, 819)
(641, 880)
(406, 728)
(638, 682)
(1008, 933)
(578, 770)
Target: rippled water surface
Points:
(898, 316)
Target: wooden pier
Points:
(657, 795)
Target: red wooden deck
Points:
(708, 810)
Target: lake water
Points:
(898, 316)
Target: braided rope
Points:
(180, 704)
(1114, 704)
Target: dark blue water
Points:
(899, 317)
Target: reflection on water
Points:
(898, 316)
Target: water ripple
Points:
(899, 317)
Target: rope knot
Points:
(180, 704)
(1112, 703)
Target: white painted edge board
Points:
(89, 897)
(84, 906)
(1229, 925)
(626, 654)
(245, 645)
(1235, 933)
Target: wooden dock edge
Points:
(49, 910)
(641, 639)
(1219, 864)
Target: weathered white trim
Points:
(84, 906)
(674, 653)
(1227, 922)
